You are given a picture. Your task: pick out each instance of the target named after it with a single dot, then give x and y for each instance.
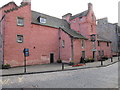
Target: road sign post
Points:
(26, 54)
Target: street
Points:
(103, 77)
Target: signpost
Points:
(26, 54)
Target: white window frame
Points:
(19, 41)
(83, 43)
(63, 43)
(19, 22)
(42, 20)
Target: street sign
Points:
(26, 52)
(94, 49)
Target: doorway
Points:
(94, 55)
(51, 57)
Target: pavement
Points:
(53, 67)
(105, 78)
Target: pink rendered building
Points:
(48, 38)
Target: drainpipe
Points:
(72, 48)
(59, 38)
(2, 35)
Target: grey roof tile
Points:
(55, 22)
(102, 39)
(79, 15)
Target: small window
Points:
(63, 43)
(102, 52)
(92, 17)
(91, 28)
(108, 44)
(80, 18)
(19, 38)
(74, 21)
(83, 43)
(83, 54)
(20, 21)
(99, 53)
(42, 20)
(98, 43)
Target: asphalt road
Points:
(103, 77)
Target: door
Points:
(94, 55)
(51, 57)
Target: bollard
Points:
(62, 66)
(118, 57)
(101, 62)
(111, 59)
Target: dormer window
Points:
(92, 17)
(42, 20)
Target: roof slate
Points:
(56, 23)
(84, 13)
(102, 39)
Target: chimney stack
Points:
(26, 1)
(90, 6)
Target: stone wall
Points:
(108, 31)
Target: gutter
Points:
(2, 34)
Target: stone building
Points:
(49, 38)
(108, 31)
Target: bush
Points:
(104, 58)
(71, 63)
(6, 66)
(59, 61)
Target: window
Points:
(91, 28)
(19, 38)
(20, 21)
(99, 53)
(102, 52)
(83, 43)
(63, 43)
(108, 44)
(92, 17)
(83, 54)
(98, 43)
(42, 20)
(80, 18)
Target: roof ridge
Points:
(84, 13)
(8, 4)
(46, 15)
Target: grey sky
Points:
(57, 8)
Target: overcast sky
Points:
(57, 8)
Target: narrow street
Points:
(103, 77)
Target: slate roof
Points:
(84, 13)
(56, 23)
(73, 33)
(102, 39)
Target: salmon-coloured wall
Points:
(40, 40)
(65, 53)
(107, 49)
(43, 40)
